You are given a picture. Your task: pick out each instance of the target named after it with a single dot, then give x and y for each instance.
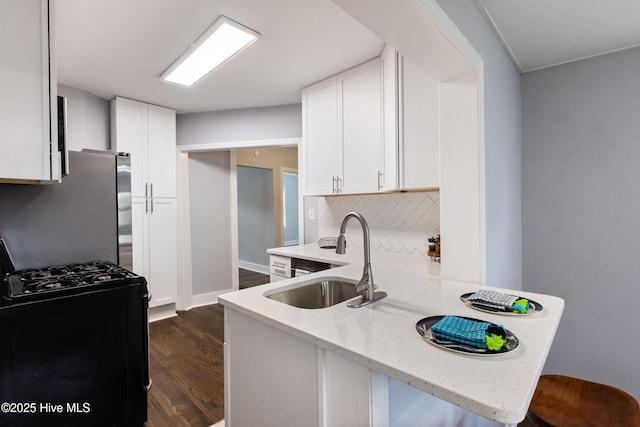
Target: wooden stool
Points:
(561, 401)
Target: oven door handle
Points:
(148, 386)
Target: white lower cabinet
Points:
(154, 247)
(346, 389)
(273, 379)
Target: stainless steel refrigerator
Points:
(85, 218)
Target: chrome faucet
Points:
(366, 285)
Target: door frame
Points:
(184, 297)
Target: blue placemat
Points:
(461, 330)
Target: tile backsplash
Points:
(398, 222)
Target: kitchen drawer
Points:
(280, 266)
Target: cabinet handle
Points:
(333, 184)
(151, 190)
(146, 205)
(146, 189)
(151, 199)
(339, 184)
(379, 180)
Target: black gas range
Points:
(58, 281)
(74, 346)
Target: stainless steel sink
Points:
(322, 293)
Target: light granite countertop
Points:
(382, 335)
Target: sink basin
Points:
(321, 293)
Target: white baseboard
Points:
(264, 269)
(162, 312)
(207, 299)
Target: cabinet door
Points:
(163, 258)
(162, 151)
(320, 149)
(278, 389)
(361, 123)
(27, 91)
(129, 135)
(390, 100)
(420, 145)
(140, 236)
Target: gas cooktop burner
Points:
(31, 283)
(46, 285)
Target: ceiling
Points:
(121, 47)
(543, 33)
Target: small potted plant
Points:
(434, 245)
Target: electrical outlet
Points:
(312, 214)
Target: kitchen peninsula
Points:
(348, 366)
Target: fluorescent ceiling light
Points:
(224, 39)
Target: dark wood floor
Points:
(186, 365)
(250, 278)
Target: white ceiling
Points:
(543, 33)
(121, 47)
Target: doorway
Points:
(267, 203)
(255, 217)
(290, 231)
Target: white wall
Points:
(459, 172)
(502, 151)
(581, 210)
(87, 120)
(250, 124)
(210, 198)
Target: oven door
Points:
(76, 361)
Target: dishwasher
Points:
(284, 267)
(302, 267)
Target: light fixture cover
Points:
(220, 42)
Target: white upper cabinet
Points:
(321, 149)
(373, 128)
(411, 125)
(361, 122)
(342, 132)
(148, 133)
(419, 129)
(28, 87)
(162, 151)
(390, 106)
